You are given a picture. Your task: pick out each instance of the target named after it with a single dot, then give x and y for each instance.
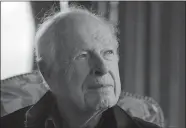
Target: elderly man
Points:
(78, 58)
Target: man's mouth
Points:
(99, 86)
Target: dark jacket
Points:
(44, 114)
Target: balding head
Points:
(55, 32)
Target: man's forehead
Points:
(81, 30)
(82, 24)
(81, 21)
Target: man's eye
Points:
(82, 56)
(109, 52)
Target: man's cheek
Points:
(115, 70)
(82, 69)
(79, 72)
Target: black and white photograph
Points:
(92, 64)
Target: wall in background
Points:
(152, 36)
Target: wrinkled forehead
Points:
(81, 21)
(84, 28)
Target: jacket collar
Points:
(40, 111)
(45, 113)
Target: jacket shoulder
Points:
(144, 124)
(15, 119)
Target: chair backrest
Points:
(21, 91)
(143, 107)
(26, 89)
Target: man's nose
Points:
(99, 67)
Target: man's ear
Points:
(44, 69)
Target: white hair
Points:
(45, 42)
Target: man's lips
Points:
(98, 86)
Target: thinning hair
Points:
(45, 41)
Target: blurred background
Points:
(152, 46)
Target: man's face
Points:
(90, 78)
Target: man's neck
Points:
(88, 124)
(73, 118)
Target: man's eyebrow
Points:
(77, 50)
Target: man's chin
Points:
(101, 103)
(104, 104)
